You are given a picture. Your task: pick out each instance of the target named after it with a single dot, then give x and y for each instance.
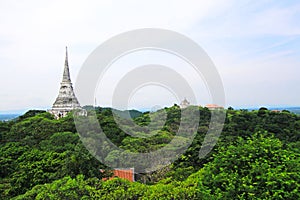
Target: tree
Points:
(254, 167)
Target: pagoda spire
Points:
(66, 100)
(66, 75)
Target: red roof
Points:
(275, 110)
(123, 173)
(213, 106)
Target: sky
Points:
(255, 46)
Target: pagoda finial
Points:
(66, 59)
(66, 75)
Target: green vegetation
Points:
(257, 157)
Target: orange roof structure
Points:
(213, 106)
(277, 111)
(125, 173)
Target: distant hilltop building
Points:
(66, 100)
(277, 111)
(184, 104)
(214, 107)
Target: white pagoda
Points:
(66, 100)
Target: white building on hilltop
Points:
(184, 104)
(66, 100)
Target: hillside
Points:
(257, 156)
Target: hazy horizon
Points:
(23, 111)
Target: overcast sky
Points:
(255, 46)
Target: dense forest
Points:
(257, 156)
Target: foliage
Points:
(256, 157)
(253, 167)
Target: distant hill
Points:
(6, 117)
(295, 109)
(121, 113)
(124, 114)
